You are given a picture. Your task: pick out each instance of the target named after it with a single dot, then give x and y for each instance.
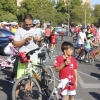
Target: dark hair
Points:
(66, 45)
(28, 16)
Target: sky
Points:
(93, 2)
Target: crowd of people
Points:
(28, 33)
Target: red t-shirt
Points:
(47, 32)
(93, 30)
(53, 39)
(67, 71)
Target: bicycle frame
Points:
(5, 63)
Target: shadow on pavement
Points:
(6, 87)
(95, 75)
(95, 95)
(97, 65)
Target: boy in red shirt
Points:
(67, 66)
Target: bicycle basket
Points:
(23, 57)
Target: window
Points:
(2, 34)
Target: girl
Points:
(10, 50)
(88, 46)
(53, 39)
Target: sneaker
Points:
(82, 58)
(86, 61)
(9, 80)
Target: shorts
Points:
(80, 45)
(48, 39)
(87, 50)
(68, 92)
(21, 68)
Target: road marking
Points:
(87, 85)
(88, 75)
(78, 99)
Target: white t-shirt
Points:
(8, 49)
(22, 34)
(81, 37)
(39, 31)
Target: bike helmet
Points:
(11, 37)
(90, 35)
(34, 21)
(48, 24)
(83, 28)
(37, 21)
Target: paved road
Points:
(88, 76)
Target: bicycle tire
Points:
(24, 78)
(54, 54)
(98, 57)
(74, 40)
(52, 83)
(91, 61)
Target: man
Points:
(81, 38)
(38, 28)
(24, 40)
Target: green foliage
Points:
(96, 12)
(46, 12)
(39, 9)
(6, 16)
(8, 6)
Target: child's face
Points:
(69, 51)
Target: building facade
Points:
(87, 1)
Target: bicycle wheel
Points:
(51, 57)
(97, 57)
(19, 88)
(54, 54)
(74, 39)
(91, 61)
(50, 82)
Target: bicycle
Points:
(56, 93)
(41, 80)
(75, 36)
(96, 54)
(87, 59)
(4, 63)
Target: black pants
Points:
(14, 73)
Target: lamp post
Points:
(85, 14)
(68, 17)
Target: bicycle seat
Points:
(41, 55)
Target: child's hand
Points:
(67, 62)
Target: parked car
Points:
(59, 30)
(4, 40)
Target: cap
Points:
(38, 21)
(48, 23)
(11, 37)
(34, 21)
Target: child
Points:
(10, 50)
(53, 39)
(89, 45)
(67, 66)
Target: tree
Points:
(96, 12)
(6, 16)
(8, 6)
(39, 9)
